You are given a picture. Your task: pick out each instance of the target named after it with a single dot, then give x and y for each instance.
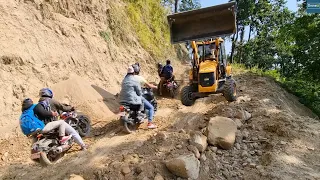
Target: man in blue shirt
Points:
(167, 73)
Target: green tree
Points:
(186, 5)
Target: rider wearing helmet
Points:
(131, 93)
(160, 67)
(143, 82)
(46, 99)
(166, 74)
(62, 126)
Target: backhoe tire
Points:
(186, 96)
(229, 90)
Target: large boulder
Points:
(221, 131)
(198, 140)
(186, 166)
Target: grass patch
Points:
(148, 18)
(104, 35)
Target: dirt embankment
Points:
(278, 140)
(45, 42)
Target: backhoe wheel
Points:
(186, 96)
(229, 90)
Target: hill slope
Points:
(45, 42)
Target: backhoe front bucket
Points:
(203, 23)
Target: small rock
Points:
(282, 143)
(245, 134)
(198, 140)
(187, 166)
(255, 145)
(219, 152)
(252, 165)
(214, 149)
(182, 131)
(158, 177)
(252, 152)
(238, 122)
(194, 150)
(206, 118)
(75, 177)
(161, 136)
(248, 160)
(246, 116)
(125, 170)
(179, 146)
(138, 170)
(238, 146)
(310, 148)
(244, 154)
(203, 157)
(254, 139)
(259, 167)
(154, 141)
(244, 147)
(244, 164)
(259, 153)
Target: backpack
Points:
(29, 122)
(46, 104)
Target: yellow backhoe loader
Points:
(204, 29)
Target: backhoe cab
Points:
(210, 71)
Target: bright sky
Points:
(291, 4)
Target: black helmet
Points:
(26, 104)
(136, 68)
(45, 92)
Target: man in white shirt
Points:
(146, 103)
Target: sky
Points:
(291, 4)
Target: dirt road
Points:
(279, 141)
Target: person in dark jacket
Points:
(50, 115)
(61, 125)
(46, 100)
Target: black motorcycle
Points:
(47, 149)
(80, 122)
(129, 113)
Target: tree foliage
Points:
(182, 5)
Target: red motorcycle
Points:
(79, 122)
(171, 87)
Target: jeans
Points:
(64, 128)
(150, 109)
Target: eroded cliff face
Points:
(45, 42)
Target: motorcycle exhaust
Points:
(62, 148)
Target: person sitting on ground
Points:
(29, 123)
(143, 82)
(167, 73)
(131, 93)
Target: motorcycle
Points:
(47, 149)
(129, 113)
(171, 86)
(81, 123)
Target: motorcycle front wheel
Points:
(48, 159)
(84, 126)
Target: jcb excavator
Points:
(210, 71)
